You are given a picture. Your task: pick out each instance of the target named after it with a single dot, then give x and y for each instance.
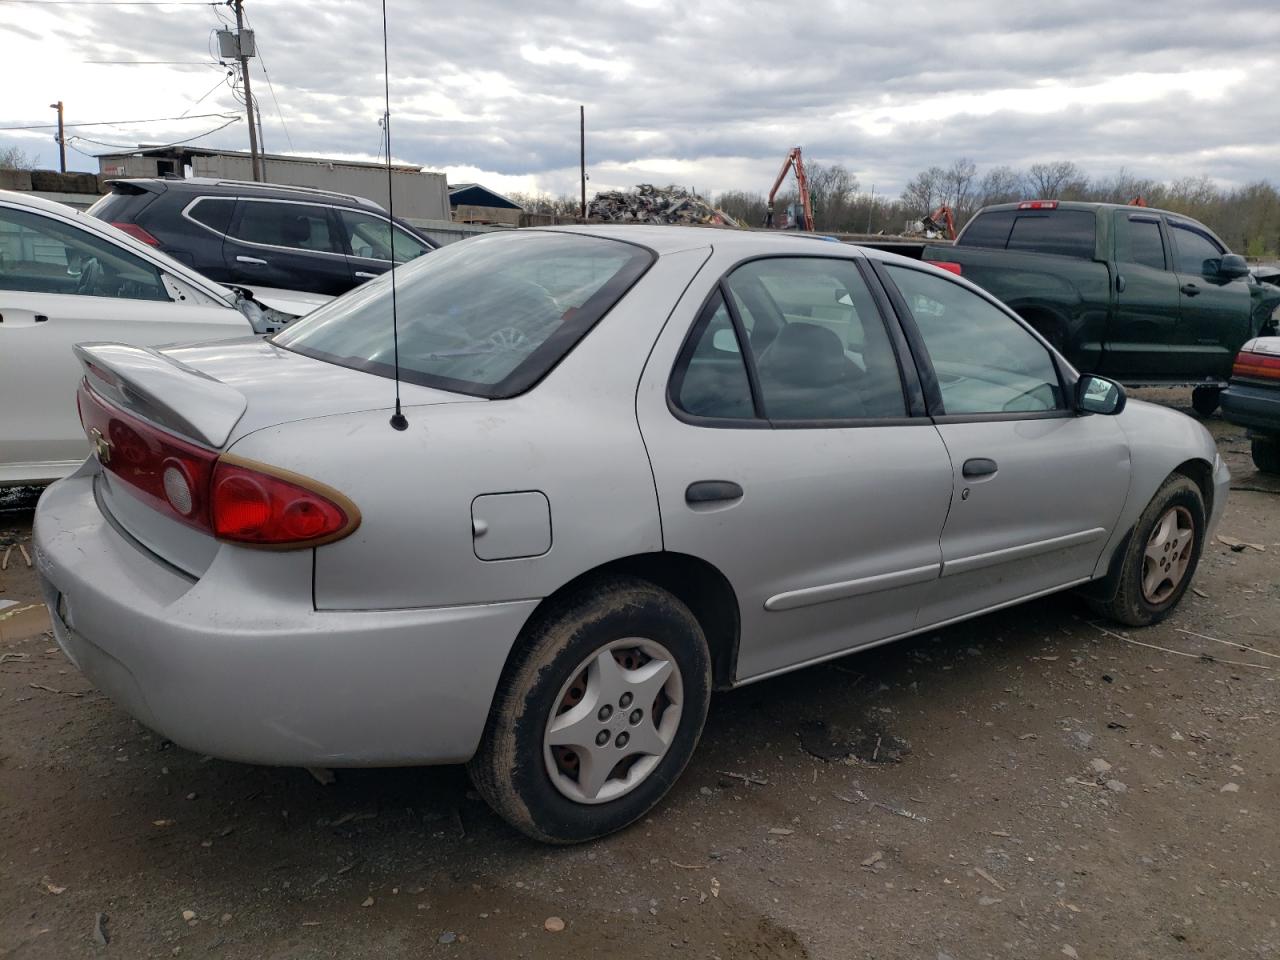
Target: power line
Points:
(114, 3)
(116, 123)
(221, 81)
(270, 86)
(158, 146)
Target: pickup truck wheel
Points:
(1204, 400)
(597, 713)
(1161, 557)
(1266, 454)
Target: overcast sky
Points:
(706, 94)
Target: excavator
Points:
(795, 160)
(940, 222)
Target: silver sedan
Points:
(633, 465)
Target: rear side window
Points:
(487, 317)
(1067, 233)
(1138, 241)
(988, 230)
(213, 212)
(300, 226)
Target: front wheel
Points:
(597, 713)
(1266, 454)
(1204, 400)
(1161, 556)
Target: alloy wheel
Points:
(1168, 554)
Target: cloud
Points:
(709, 95)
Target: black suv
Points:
(265, 234)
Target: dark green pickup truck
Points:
(1136, 294)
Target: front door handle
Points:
(978, 467)
(1120, 283)
(1190, 290)
(366, 275)
(257, 262)
(712, 491)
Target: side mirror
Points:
(1099, 395)
(1232, 266)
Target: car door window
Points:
(985, 362)
(1138, 241)
(299, 226)
(1193, 249)
(372, 238)
(43, 255)
(815, 341)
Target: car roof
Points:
(23, 199)
(1086, 205)
(665, 239)
(223, 186)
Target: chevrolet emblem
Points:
(101, 445)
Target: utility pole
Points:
(254, 159)
(582, 155)
(62, 140)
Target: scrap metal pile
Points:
(650, 204)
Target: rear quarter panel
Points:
(573, 437)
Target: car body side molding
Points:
(981, 560)
(852, 588)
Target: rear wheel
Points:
(1266, 454)
(1204, 400)
(1161, 557)
(597, 714)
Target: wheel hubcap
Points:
(1168, 554)
(614, 720)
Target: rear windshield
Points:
(1067, 233)
(487, 317)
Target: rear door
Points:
(1036, 489)
(785, 453)
(1217, 312)
(61, 285)
(1147, 335)
(285, 243)
(368, 240)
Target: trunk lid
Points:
(211, 395)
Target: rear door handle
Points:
(1120, 283)
(978, 467)
(1190, 289)
(712, 491)
(254, 260)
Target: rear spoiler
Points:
(162, 390)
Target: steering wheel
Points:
(90, 277)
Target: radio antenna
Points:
(398, 420)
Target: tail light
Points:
(1038, 205)
(946, 265)
(1256, 366)
(228, 497)
(135, 231)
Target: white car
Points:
(66, 278)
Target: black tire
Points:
(510, 770)
(1130, 606)
(1204, 400)
(1266, 454)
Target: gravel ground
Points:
(1029, 784)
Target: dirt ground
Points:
(1029, 784)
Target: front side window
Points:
(300, 226)
(985, 362)
(814, 338)
(1193, 249)
(371, 237)
(487, 317)
(42, 255)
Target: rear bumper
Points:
(1255, 407)
(239, 665)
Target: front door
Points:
(59, 286)
(368, 240)
(1147, 337)
(786, 454)
(1217, 311)
(1036, 488)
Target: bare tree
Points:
(14, 158)
(1000, 185)
(958, 188)
(831, 190)
(924, 191)
(1056, 180)
(748, 208)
